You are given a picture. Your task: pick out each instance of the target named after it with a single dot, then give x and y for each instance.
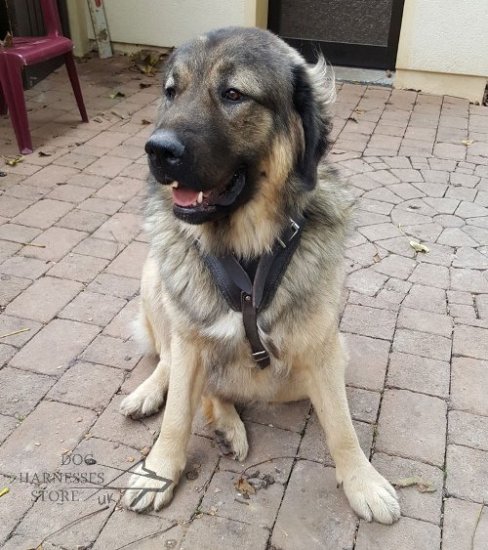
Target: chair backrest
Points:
(51, 17)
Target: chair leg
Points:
(75, 83)
(3, 103)
(13, 91)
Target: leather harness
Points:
(249, 287)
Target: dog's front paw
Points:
(145, 400)
(370, 495)
(149, 488)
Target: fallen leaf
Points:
(13, 161)
(4, 491)
(244, 487)
(143, 85)
(145, 121)
(43, 154)
(418, 247)
(422, 485)
(354, 119)
(467, 142)
(116, 94)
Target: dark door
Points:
(24, 18)
(356, 33)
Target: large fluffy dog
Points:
(242, 127)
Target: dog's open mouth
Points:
(190, 200)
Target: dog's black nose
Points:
(165, 147)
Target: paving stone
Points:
(363, 404)
(18, 233)
(101, 206)
(471, 342)
(6, 353)
(207, 531)
(368, 358)
(368, 321)
(286, 416)
(468, 429)
(396, 266)
(122, 287)
(23, 267)
(482, 305)
(112, 425)
(419, 374)
(11, 206)
(366, 281)
(13, 505)
(7, 426)
(11, 287)
(21, 454)
(121, 189)
(121, 529)
(465, 525)
(113, 352)
(468, 280)
(433, 275)
(442, 205)
(129, 263)
(70, 193)
(467, 471)
(82, 220)
(50, 176)
(314, 446)
(468, 258)
(10, 325)
(91, 307)
(266, 443)
(54, 347)
(404, 413)
(97, 248)
(421, 343)
(120, 228)
(44, 299)
(407, 533)
(8, 249)
(477, 233)
(122, 325)
(53, 244)
(43, 214)
(379, 231)
(469, 379)
(22, 391)
(108, 166)
(306, 516)
(413, 503)
(78, 267)
(425, 321)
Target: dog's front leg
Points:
(168, 456)
(369, 494)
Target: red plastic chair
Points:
(30, 51)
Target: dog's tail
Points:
(323, 81)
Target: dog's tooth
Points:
(175, 184)
(200, 197)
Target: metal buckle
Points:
(295, 229)
(262, 353)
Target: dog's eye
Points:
(232, 95)
(170, 92)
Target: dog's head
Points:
(242, 115)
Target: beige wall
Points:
(441, 42)
(171, 22)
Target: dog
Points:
(234, 186)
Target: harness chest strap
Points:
(251, 295)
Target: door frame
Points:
(343, 53)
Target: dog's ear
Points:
(310, 102)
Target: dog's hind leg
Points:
(369, 494)
(148, 397)
(229, 429)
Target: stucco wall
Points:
(171, 22)
(449, 36)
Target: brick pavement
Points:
(71, 249)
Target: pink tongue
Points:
(184, 197)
